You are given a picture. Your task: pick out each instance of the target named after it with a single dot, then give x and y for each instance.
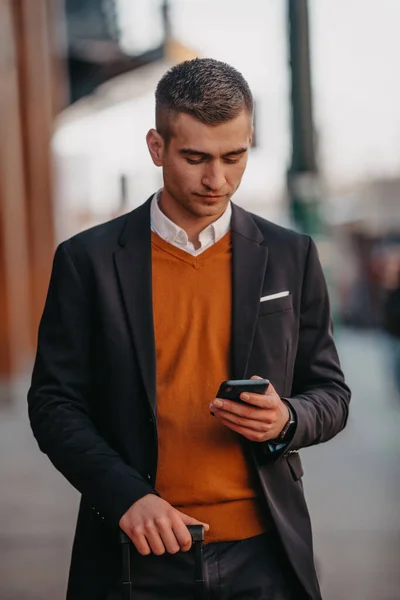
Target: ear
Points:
(155, 144)
(251, 136)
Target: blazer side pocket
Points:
(268, 307)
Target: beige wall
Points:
(31, 91)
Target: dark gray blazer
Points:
(92, 402)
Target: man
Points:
(146, 315)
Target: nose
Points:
(214, 177)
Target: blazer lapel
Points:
(133, 265)
(249, 258)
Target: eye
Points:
(192, 161)
(231, 161)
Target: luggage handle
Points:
(197, 533)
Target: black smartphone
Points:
(231, 390)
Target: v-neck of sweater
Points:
(195, 261)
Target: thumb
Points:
(270, 388)
(191, 521)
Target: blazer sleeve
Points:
(320, 398)
(58, 406)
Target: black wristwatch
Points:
(290, 424)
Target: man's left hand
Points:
(261, 419)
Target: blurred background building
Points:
(77, 98)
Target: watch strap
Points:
(289, 423)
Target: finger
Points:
(141, 544)
(248, 408)
(154, 540)
(250, 434)
(182, 535)
(268, 400)
(263, 424)
(166, 532)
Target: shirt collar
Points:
(174, 234)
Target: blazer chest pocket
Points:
(275, 305)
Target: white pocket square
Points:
(273, 296)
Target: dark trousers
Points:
(256, 569)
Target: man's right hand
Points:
(155, 526)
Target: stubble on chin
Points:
(211, 209)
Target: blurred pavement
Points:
(352, 486)
(352, 483)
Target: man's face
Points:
(203, 164)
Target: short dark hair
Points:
(209, 90)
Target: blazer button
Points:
(148, 476)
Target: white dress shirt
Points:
(172, 233)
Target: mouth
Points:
(210, 197)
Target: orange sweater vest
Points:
(202, 469)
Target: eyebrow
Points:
(193, 151)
